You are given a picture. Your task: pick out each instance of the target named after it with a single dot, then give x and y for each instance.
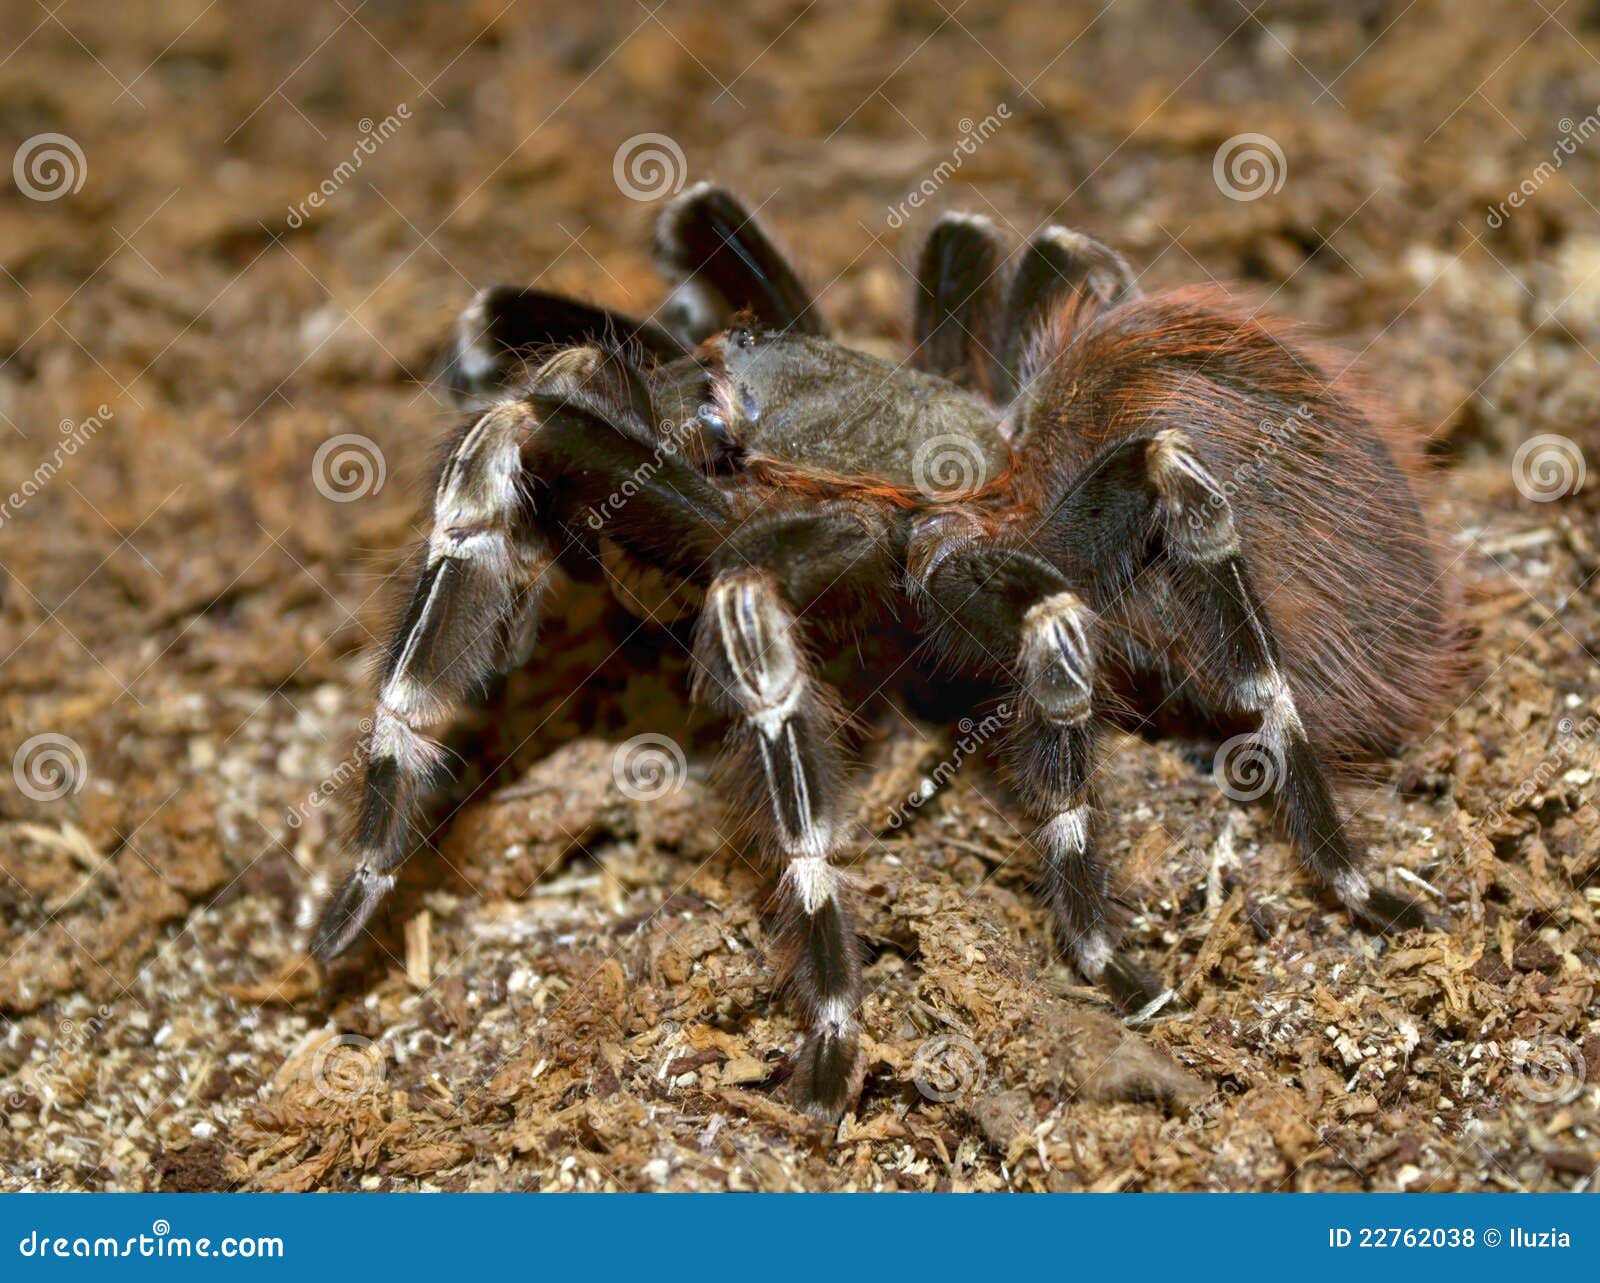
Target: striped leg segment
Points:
(505, 326)
(750, 665)
(1019, 611)
(783, 754)
(557, 462)
(1209, 570)
(473, 609)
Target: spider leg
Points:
(751, 664)
(720, 263)
(505, 326)
(509, 498)
(1007, 611)
(1210, 573)
(955, 333)
(1057, 266)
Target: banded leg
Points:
(1002, 610)
(474, 606)
(720, 263)
(750, 664)
(1209, 572)
(505, 326)
(516, 472)
(1059, 265)
(957, 305)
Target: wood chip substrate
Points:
(271, 215)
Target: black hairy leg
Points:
(1006, 611)
(505, 326)
(785, 760)
(970, 330)
(476, 598)
(1059, 267)
(721, 264)
(1208, 572)
(954, 322)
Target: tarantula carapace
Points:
(1089, 496)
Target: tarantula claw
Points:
(1129, 985)
(828, 1075)
(348, 911)
(1385, 912)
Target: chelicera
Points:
(1090, 498)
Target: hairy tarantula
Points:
(1161, 501)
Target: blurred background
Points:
(231, 239)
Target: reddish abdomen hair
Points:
(1325, 490)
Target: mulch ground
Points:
(568, 991)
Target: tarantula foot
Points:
(348, 911)
(1385, 912)
(828, 1075)
(1131, 986)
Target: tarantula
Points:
(1160, 501)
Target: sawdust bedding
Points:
(569, 991)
